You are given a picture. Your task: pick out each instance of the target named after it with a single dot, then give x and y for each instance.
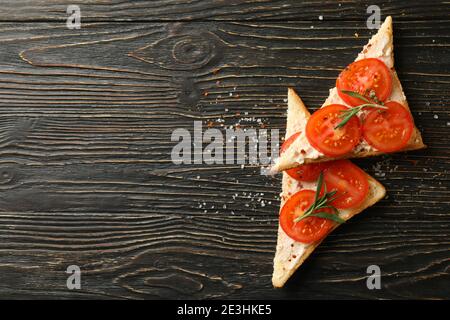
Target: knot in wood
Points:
(6, 176)
(193, 51)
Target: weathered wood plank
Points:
(236, 10)
(137, 255)
(86, 177)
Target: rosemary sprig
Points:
(321, 202)
(348, 114)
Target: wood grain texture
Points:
(85, 171)
(220, 10)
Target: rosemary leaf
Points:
(355, 94)
(319, 187)
(328, 216)
(346, 116)
(321, 202)
(351, 112)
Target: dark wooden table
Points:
(86, 176)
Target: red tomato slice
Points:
(288, 142)
(332, 142)
(349, 181)
(305, 172)
(388, 130)
(308, 230)
(364, 76)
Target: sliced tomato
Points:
(322, 135)
(365, 76)
(288, 142)
(305, 172)
(308, 230)
(349, 181)
(388, 130)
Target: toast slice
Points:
(380, 46)
(290, 254)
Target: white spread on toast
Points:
(380, 46)
(291, 253)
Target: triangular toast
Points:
(381, 47)
(290, 254)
